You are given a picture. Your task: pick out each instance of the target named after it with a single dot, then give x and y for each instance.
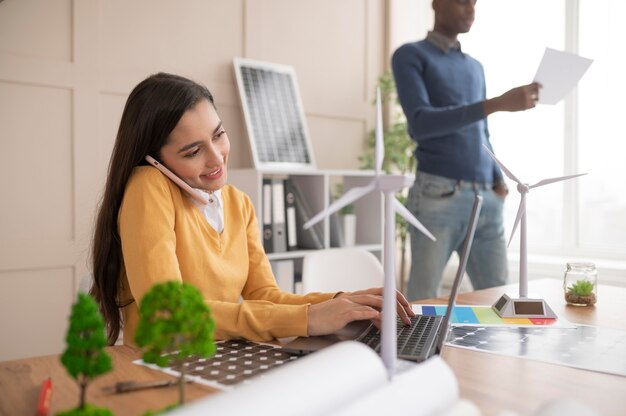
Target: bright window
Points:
(601, 133)
(529, 143)
(585, 217)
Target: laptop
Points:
(419, 341)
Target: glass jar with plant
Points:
(580, 284)
(399, 148)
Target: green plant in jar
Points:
(581, 292)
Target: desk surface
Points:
(493, 382)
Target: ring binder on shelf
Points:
(290, 215)
(268, 243)
(311, 238)
(279, 238)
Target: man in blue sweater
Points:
(442, 92)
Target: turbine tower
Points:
(388, 185)
(523, 306)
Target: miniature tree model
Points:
(85, 357)
(174, 323)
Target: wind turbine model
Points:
(388, 185)
(523, 306)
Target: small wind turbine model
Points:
(523, 306)
(388, 185)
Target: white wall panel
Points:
(35, 163)
(36, 28)
(196, 38)
(34, 308)
(334, 139)
(324, 40)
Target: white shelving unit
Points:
(317, 186)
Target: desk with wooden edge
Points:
(496, 383)
(20, 381)
(493, 382)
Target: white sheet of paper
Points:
(559, 73)
(345, 379)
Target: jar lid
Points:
(581, 265)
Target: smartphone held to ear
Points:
(197, 196)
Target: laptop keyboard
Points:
(412, 340)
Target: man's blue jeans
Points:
(444, 206)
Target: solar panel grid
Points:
(274, 116)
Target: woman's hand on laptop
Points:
(405, 311)
(330, 316)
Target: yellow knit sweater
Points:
(165, 237)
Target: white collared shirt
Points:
(443, 42)
(214, 210)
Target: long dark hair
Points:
(151, 112)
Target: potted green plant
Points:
(174, 323)
(581, 292)
(85, 357)
(399, 159)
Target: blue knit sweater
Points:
(441, 94)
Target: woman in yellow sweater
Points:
(149, 231)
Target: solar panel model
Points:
(274, 115)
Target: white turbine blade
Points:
(352, 195)
(407, 215)
(520, 211)
(504, 168)
(380, 144)
(552, 180)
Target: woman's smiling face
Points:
(197, 149)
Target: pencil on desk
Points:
(45, 395)
(128, 386)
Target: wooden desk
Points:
(493, 382)
(20, 381)
(496, 383)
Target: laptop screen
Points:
(467, 246)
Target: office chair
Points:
(341, 269)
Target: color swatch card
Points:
(484, 315)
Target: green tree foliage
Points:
(85, 357)
(174, 323)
